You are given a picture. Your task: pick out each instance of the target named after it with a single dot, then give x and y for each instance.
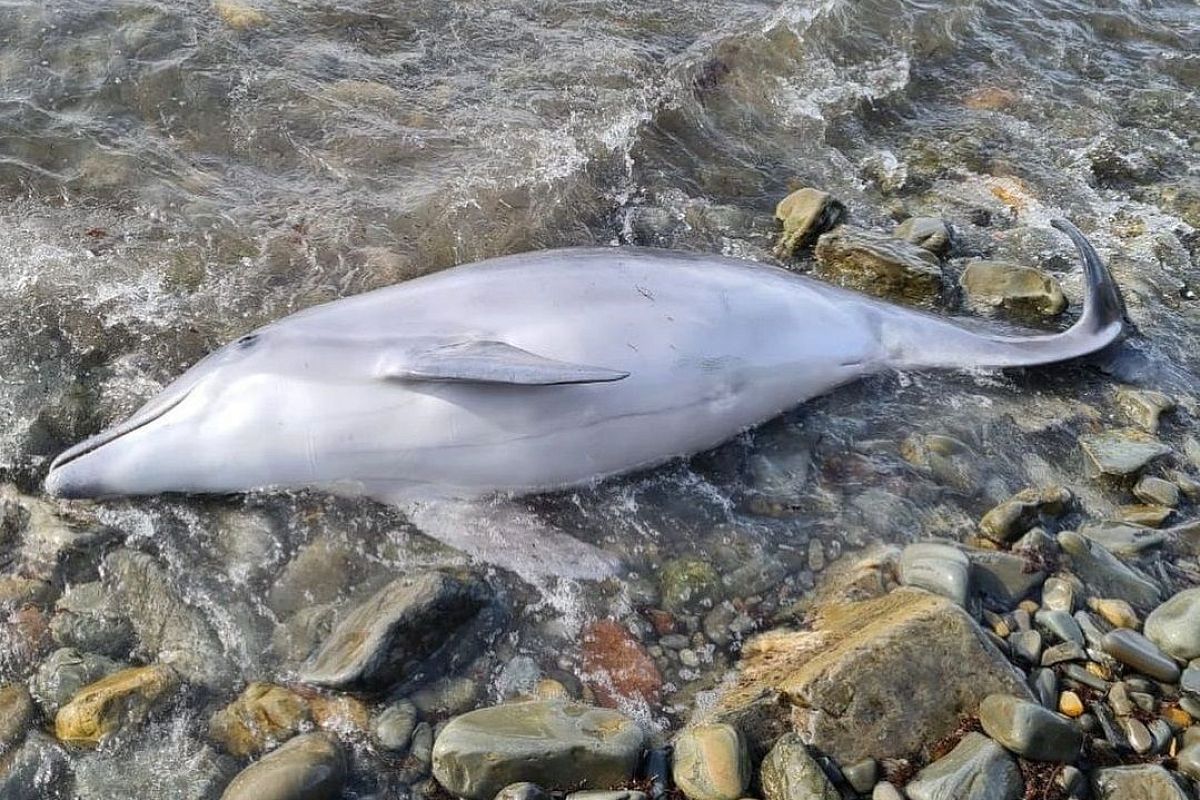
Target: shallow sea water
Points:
(170, 181)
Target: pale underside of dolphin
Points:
(531, 373)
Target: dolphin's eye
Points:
(247, 341)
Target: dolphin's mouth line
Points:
(139, 420)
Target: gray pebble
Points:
(1134, 650)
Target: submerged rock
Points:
(1175, 625)
(689, 582)
(1144, 407)
(1123, 539)
(931, 233)
(879, 265)
(16, 712)
(711, 763)
(878, 678)
(550, 743)
(790, 773)
(1023, 291)
(239, 16)
(617, 667)
(34, 770)
(118, 701)
(64, 673)
(260, 717)
(1021, 512)
(388, 638)
(308, 767)
(1156, 491)
(976, 769)
(1120, 453)
(1029, 729)
(87, 618)
(805, 214)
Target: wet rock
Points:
(879, 265)
(64, 673)
(1138, 735)
(52, 535)
(1061, 653)
(689, 582)
(862, 775)
(34, 770)
(1022, 291)
(239, 16)
(1134, 650)
(805, 214)
(87, 619)
(522, 791)
(617, 667)
(167, 627)
(446, 697)
(1070, 704)
(1058, 595)
(316, 575)
(790, 773)
(931, 233)
(1026, 646)
(16, 713)
(1143, 407)
(976, 769)
(886, 791)
(551, 743)
(946, 459)
(1122, 539)
(1120, 453)
(1141, 782)
(1021, 512)
(607, 794)
(1117, 613)
(939, 568)
(711, 763)
(393, 727)
(1175, 625)
(1187, 761)
(161, 762)
(297, 639)
(261, 717)
(307, 767)
(1157, 491)
(119, 701)
(1061, 624)
(16, 591)
(916, 662)
(1105, 575)
(1141, 514)
(1004, 577)
(1183, 198)
(1028, 729)
(411, 621)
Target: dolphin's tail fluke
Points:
(946, 343)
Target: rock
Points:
(1142, 514)
(173, 631)
(879, 265)
(34, 770)
(689, 582)
(1117, 613)
(1175, 625)
(446, 697)
(1143, 407)
(1023, 291)
(1029, 730)
(806, 214)
(617, 667)
(1120, 453)
(1157, 491)
(1070, 704)
(340, 714)
(877, 678)
(522, 791)
(1187, 761)
(886, 791)
(1060, 653)
(1183, 198)
(1004, 577)
(863, 775)
(1141, 782)
(607, 794)
(64, 673)
(931, 233)
(409, 623)
(121, 700)
(1058, 595)
(1026, 646)
(1133, 649)
(1045, 685)
(1123, 539)
(308, 767)
(938, 568)
(1138, 735)
(239, 16)
(16, 712)
(261, 717)
(976, 769)
(551, 743)
(1061, 624)
(87, 619)
(1021, 512)
(711, 763)
(16, 591)
(790, 773)
(318, 574)
(1105, 575)
(394, 726)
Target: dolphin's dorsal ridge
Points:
(486, 361)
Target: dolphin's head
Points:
(155, 449)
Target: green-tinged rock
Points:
(1175, 625)
(790, 773)
(879, 265)
(806, 214)
(1105, 575)
(689, 582)
(1022, 291)
(1030, 730)
(1120, 453)
(1021, 512)
(1140, 782)
(410, 620)
(307, 767)
(939, 568)
(119, 701)
(711, 762)
(931, 233)
(1143, 407)
(550, 743)
(976, 769)
(64, 673)
(16, 712)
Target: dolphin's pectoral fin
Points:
(482, 361)
(510, 537)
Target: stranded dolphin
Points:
(529, 373)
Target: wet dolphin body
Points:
(529, 373)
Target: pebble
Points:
(1120, 453)
(1148, 781)
(976, 769)
(1029, 729)
(1021, 512)
(939, 568)
(1105, 574)
(1156, 491)
(522, 791)
(1152, 516)
(711, 762)
(1045, 686)
(1091, 631)
(1062, 652)
(307, 767)
(1118, 698)
(1175, 625)
(1058, 595)
(931, 233)
(789, 773)
(1026, 646)
(879, 264)
(1137, 734)
(32, 770)
(1161, 733)
(16, 712)
(1002, 576)
(1134, 650)
(1124, 539)
(1189, 681)
(1021, 290)
(805, 213)
(1187, 761)
(862, 775)
(393, 727)
(1117, 613)
(1143, 407)
(1061, 624)
(607, 794)
(64, 673)
(118, 701)
(1070, 704)
(886, 791)
(262, 716)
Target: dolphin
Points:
(531, 373)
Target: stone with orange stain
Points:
(617, 666)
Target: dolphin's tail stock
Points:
(946, 343)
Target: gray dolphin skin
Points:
(530, 373)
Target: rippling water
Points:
(174, 174)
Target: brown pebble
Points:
(1117, 613)
(1029, 606)
(1176, 717)
(1070, 704)
(1099, 670)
